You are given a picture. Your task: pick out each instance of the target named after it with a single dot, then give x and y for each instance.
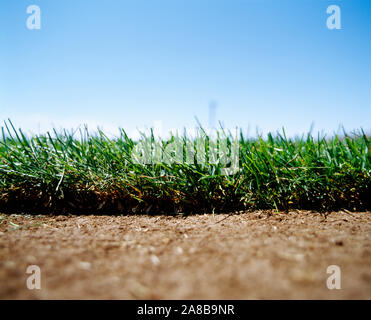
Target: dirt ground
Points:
(260, 255)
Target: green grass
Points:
(91, 173)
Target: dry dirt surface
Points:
(260, 255)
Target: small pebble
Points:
(84, 265)
(155, 260)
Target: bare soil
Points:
(260, 255)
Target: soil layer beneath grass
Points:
(260, 255)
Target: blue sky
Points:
(266, 64)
